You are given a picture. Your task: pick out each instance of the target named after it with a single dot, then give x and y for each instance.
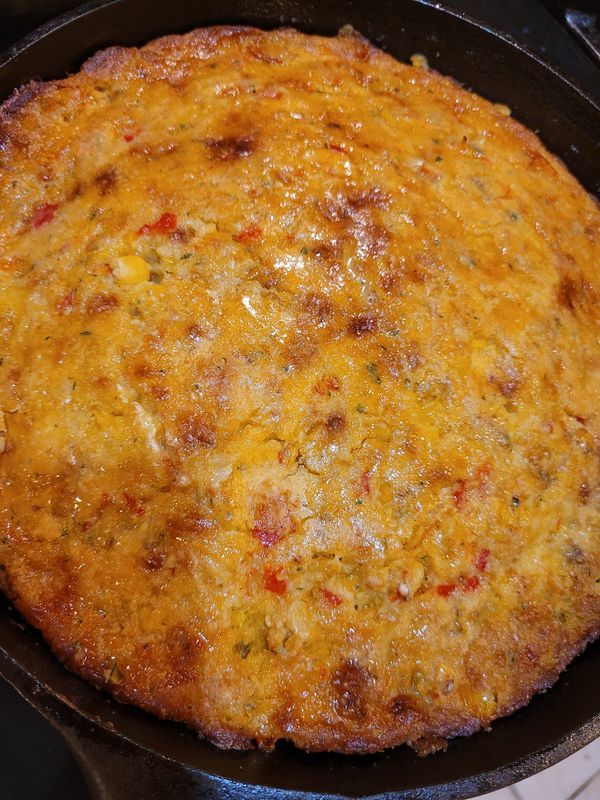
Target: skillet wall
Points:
(568, 122)
(554, 724)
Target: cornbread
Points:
(299, 390)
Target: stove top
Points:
(27, 739)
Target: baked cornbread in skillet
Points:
(299, 389)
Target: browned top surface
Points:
(299, 382)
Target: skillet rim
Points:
(41, 31)
(493, 778)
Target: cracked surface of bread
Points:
(300, 371)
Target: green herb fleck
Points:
(372, 370)
(361, 409)
(242, 649)
(359, 502)
(185, 256)
(438, 158)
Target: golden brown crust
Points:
(299, 404)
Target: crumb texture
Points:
(299, 390)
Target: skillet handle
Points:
(114, 767)
(582, 20)
(117, 770)
(585, 26)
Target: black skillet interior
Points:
(554, 724)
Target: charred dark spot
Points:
(180, 235)
(338, 207)
(574, 554)
(183, 648)
(355, 211)
(195, 333)
(371, 237)
(145, 370)
(324, 251)
(318, 309)
(160, 392)
(373, 197)
(196, 433)
(5, 141)
(362, 325)
(75, 191)
(405, 708)
(106, 181)
(300, 349)
(569, 291)
(100, 303)
(105, 61)
(507, 387)
(268, 276)
(188, 524)
(154, 560)
(230, 148)
(584, 493)
(351, 684)
(21, 97)
(272, 520)
(336, 422)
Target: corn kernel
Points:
(131, 269)
(419, 61)
(505, 111)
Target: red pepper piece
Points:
(65, 303)
(446, 589)
(165, 224)
(329, 383)
(333, 599)
(459, 493)
(266, 536)
(482, 560)
(482, 473)
(251, 234)
(43, 214)
(133, 505)
(131, 135)
(470, 584)
(365, 482)
(273, 583)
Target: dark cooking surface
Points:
(35, 764)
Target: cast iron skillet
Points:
(127, 753)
